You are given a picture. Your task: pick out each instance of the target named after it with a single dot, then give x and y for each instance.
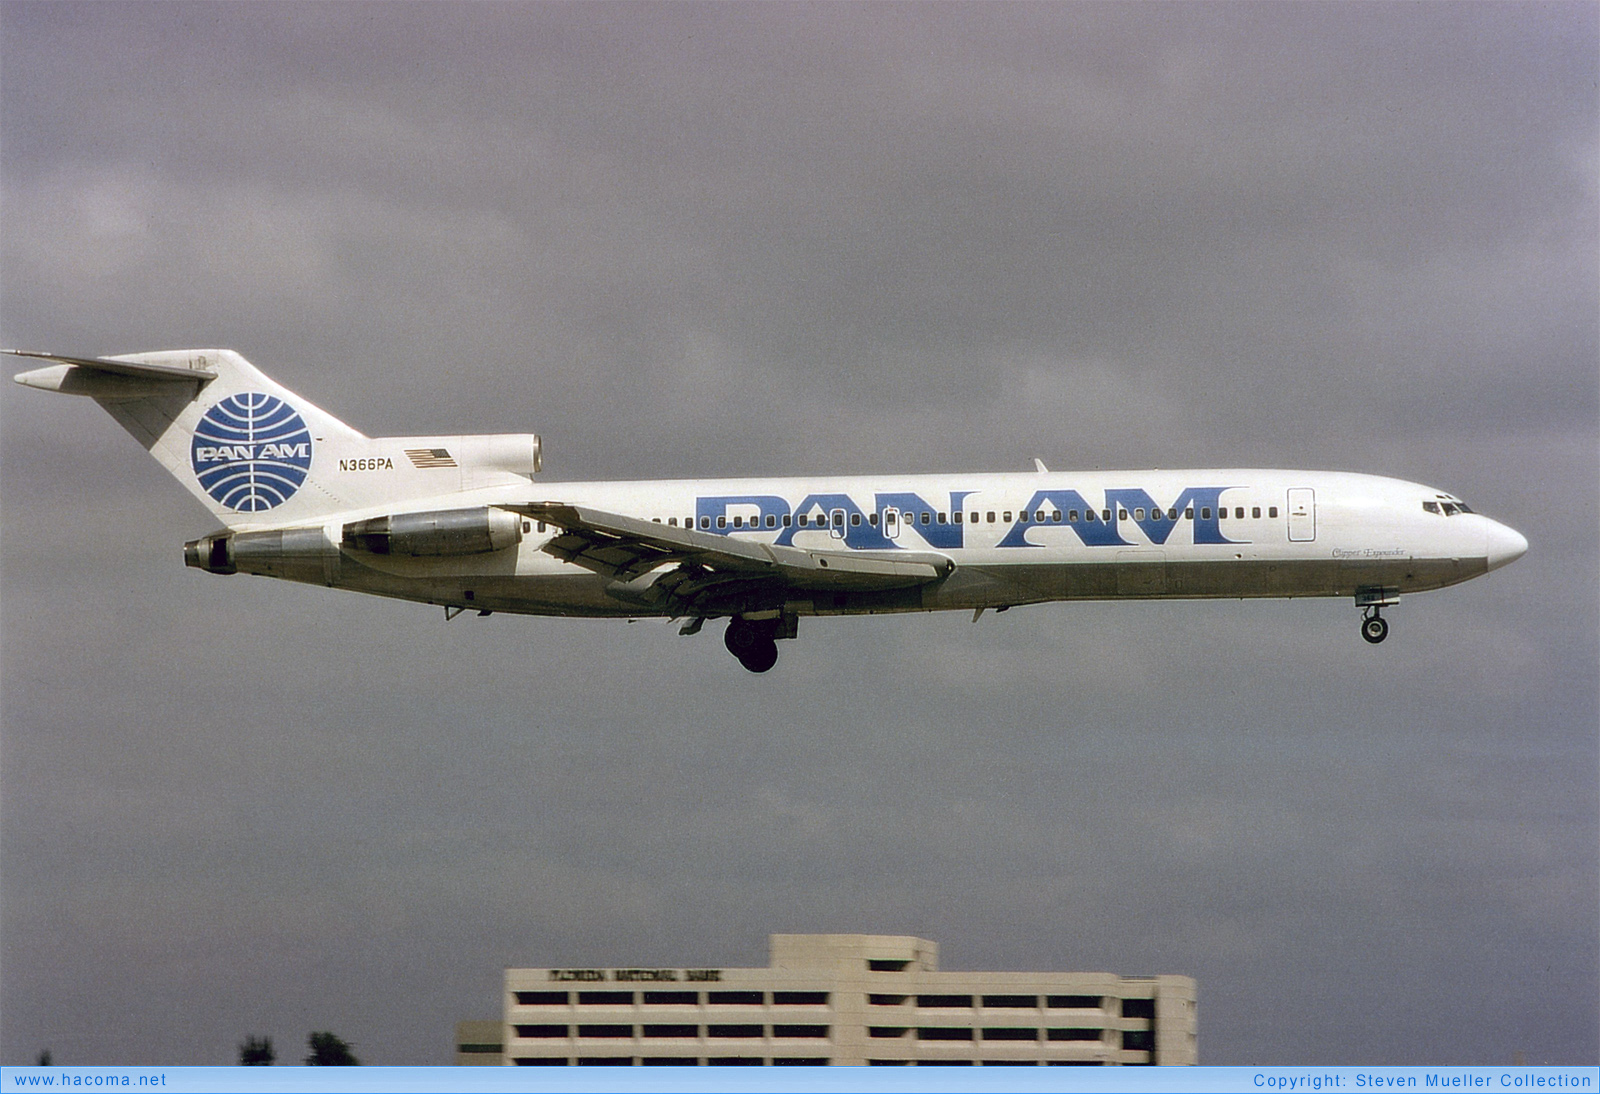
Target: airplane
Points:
(465, 522)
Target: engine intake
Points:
(442, 532)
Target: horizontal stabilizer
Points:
(114, 367)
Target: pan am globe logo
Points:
(251, 452)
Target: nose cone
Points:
(1504, 545)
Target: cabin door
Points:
(1302, 514)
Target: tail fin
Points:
(241, 443)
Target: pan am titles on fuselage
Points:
(463, 522)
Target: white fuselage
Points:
(1014, 538)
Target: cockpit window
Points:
(1431, 506)
(1446, 508)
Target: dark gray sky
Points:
(684, 240)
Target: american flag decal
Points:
(431, 457)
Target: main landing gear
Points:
(753, 642)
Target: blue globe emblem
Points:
(251, 452)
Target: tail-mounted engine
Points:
(443, 532)
(307, 554)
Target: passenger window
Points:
(855, 520)
(1255, 513)
(1138, 514)
(939, 518)
(1273, 511)
(957, 517)
(705, 522)
(804, 520)
(1008, 516)
(1105, 515)
(1172, 514)
(738, 522)
(1205, 513)
(924, 518)
(786, 520)
(722, 522)
(1022, 517)
(1055, 516)
(672, 522)
(1122, 514)
(1238, 512)
(872, 519)
(772, 521)
(991, 517)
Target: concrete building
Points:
(844, 999)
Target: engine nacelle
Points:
(442, 532)
(298, 554)
(519, 453)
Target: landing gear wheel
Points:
(752, 644)
(1374, 628)
(762, 657)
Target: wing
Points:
(690, 572)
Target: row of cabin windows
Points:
(670, 998)
(668, 1030)
(1042, 516)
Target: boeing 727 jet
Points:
(467, 522)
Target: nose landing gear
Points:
(1374, 628)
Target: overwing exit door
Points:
(1302, 514)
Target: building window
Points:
(541, 998)
(604, 1061)
(1012, 1001)
(944, 1033)
(887, 1000)
(743, 998)
(799, 998)
(1077, 1033)
(799, 1031)
(1138, 1040)
(605, 998)
(944, 1000)
(877, 964)
(799, 1061)
(736, 1061)
(672, 998)
(1138, 1008)
(887, 1031)
(1009, 1033)
(741, 1030)
(671, 1031)
(606, 1029)
(541, 1061)
(540, 1031)
(670, 1061)
(1073, 1002)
